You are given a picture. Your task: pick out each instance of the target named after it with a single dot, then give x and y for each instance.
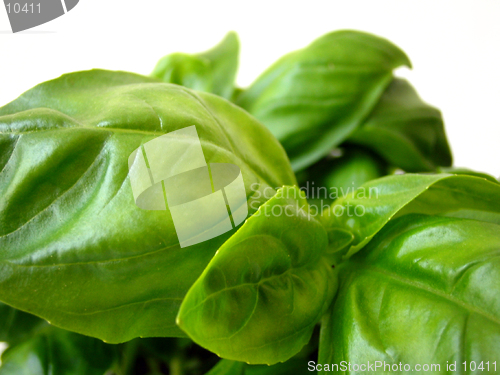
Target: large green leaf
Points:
(211, 71)
(314, 98)
(53, 351)
(423, 291)
(75, 248)
(365, 212)
(267, 286)
(403, 129)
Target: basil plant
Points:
(355, 245)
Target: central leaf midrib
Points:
(257, 284)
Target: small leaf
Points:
(261, 295)
(314, 98)
(423, 291)
(405, 131)
(211, 71)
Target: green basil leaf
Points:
(423, 291)
(211, 71)
(335, 177)
(314, 98)
(76, 249)
(16, 325)
(267, 286)
(365, 212)
(53, 351)
(405, 131)
(468, 172)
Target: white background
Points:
(454, 47)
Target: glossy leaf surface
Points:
(211, 71)
(423, 291)
(261, 295)
(366, 211)
(405, 131)
(314, 98)
(76, 250)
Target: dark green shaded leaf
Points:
(314, 98)
(423, 291)
(295, 366)
(76, 250)
(16, 325)
(405, 131)
(155, 356)
(227, 367)
(335, 177)
(53, 351)
(267, 286)
(211, 71)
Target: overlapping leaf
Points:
(261, 295)
(405, 131)
(314, 98)
(365, 212)
(75, 249)
(211, 71)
